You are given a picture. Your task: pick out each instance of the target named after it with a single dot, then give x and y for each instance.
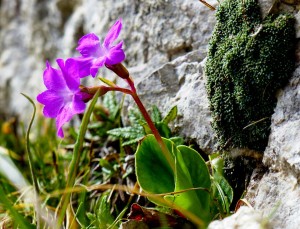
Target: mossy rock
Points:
(249, 59)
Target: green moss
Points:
(248, 60)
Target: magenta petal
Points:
(118, 46)
(89, 45)
(51, 110)
(79, 66)
(94, 71)
(70, 75)
(61, 63)
(64, 116)
(60, 132)
(53, 78)
(112, 34)
(53, 103)
(97, 64)
(78, 104)
(116, 55)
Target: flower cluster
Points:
(64, 96)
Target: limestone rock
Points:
(244, 218)
(29, 34)
(283, 151)
(266, 6)
(276, 193)
(277, 197)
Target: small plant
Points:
(139, 128)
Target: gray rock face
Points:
(244, 218)
(266, 6)
(277, 197)
(277, 193)
(29, 34)
(285, 134)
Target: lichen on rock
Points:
(249, 59)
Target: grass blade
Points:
(16, 216)
(30, 156)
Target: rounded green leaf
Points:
(153, 171)
(192, 172)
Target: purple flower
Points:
(96, 55)
(63, 98)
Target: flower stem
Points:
(131, 84)
(155, 132)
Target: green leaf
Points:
(170, 116)
(223, 193)
(80, 215)
(127, 132)
(156, 176)
(103, 214)
(16, 216)
(146, 128)
(117, 220)
(91, 216)
(217, 163)
(163, 129)
(177, 140)
(155, 114)
(192, 172)
(135, 117)
(110, 102)
(153, 171)
(107, 82)
(133, 141)
(102, 217)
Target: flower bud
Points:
(119, 69)
(88, 93)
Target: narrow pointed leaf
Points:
(107, 82)
(170, 116)
(127, 132)
(155, 114)
(224, 193)
(133, 141)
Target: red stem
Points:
(151, 125)
(131, 84)
(155, 132)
